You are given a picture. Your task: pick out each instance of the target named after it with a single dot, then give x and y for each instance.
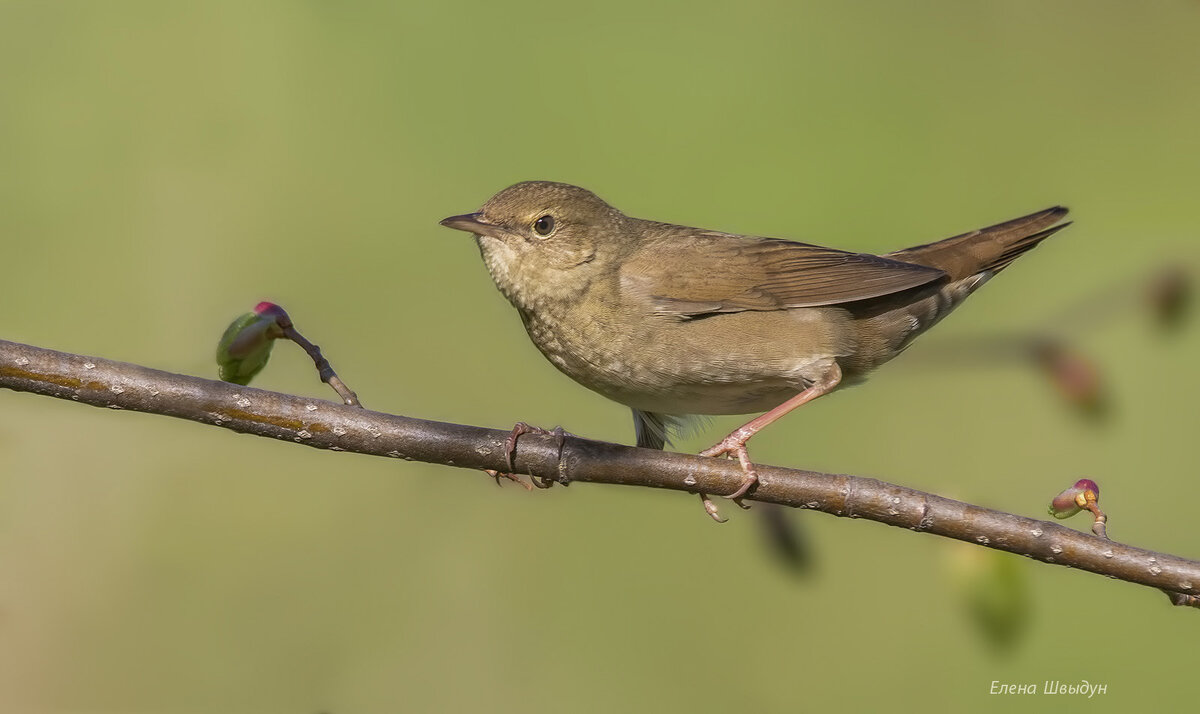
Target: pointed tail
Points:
(987, 249)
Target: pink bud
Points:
(1074, 499)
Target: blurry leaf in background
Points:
(993, 588)
(1074, 377)
(1170, 293)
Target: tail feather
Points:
(988, 249)
(651, 429)
(1018, 248)
(655, 431)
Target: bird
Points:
(674, 321)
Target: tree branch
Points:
(567, 459)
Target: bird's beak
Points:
(472, 223)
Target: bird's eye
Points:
(544, 226)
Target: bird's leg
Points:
(735, 443)
(510, 453)
(652, 434)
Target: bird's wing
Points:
(703, 272)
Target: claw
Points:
(748, 483)
(510, 444)
(735, 445)
(514, 478)
(711, 508)
(511, 477)
(510, 454)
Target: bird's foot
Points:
(510, 453)
(511, 477)
(711, 508)
(734, 445)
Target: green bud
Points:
(246, 345)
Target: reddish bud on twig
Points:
(1073, 500)
(246, 346)
(1084, 495)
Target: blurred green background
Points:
(168, 165)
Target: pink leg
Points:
(735, 443)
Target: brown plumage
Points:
(672, 320)
(991, 249)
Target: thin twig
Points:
(324, 369)
(568, 459)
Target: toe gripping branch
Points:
(510, 454)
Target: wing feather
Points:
(718, 272)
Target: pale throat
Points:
(517, 279)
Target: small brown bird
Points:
(674, 321)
